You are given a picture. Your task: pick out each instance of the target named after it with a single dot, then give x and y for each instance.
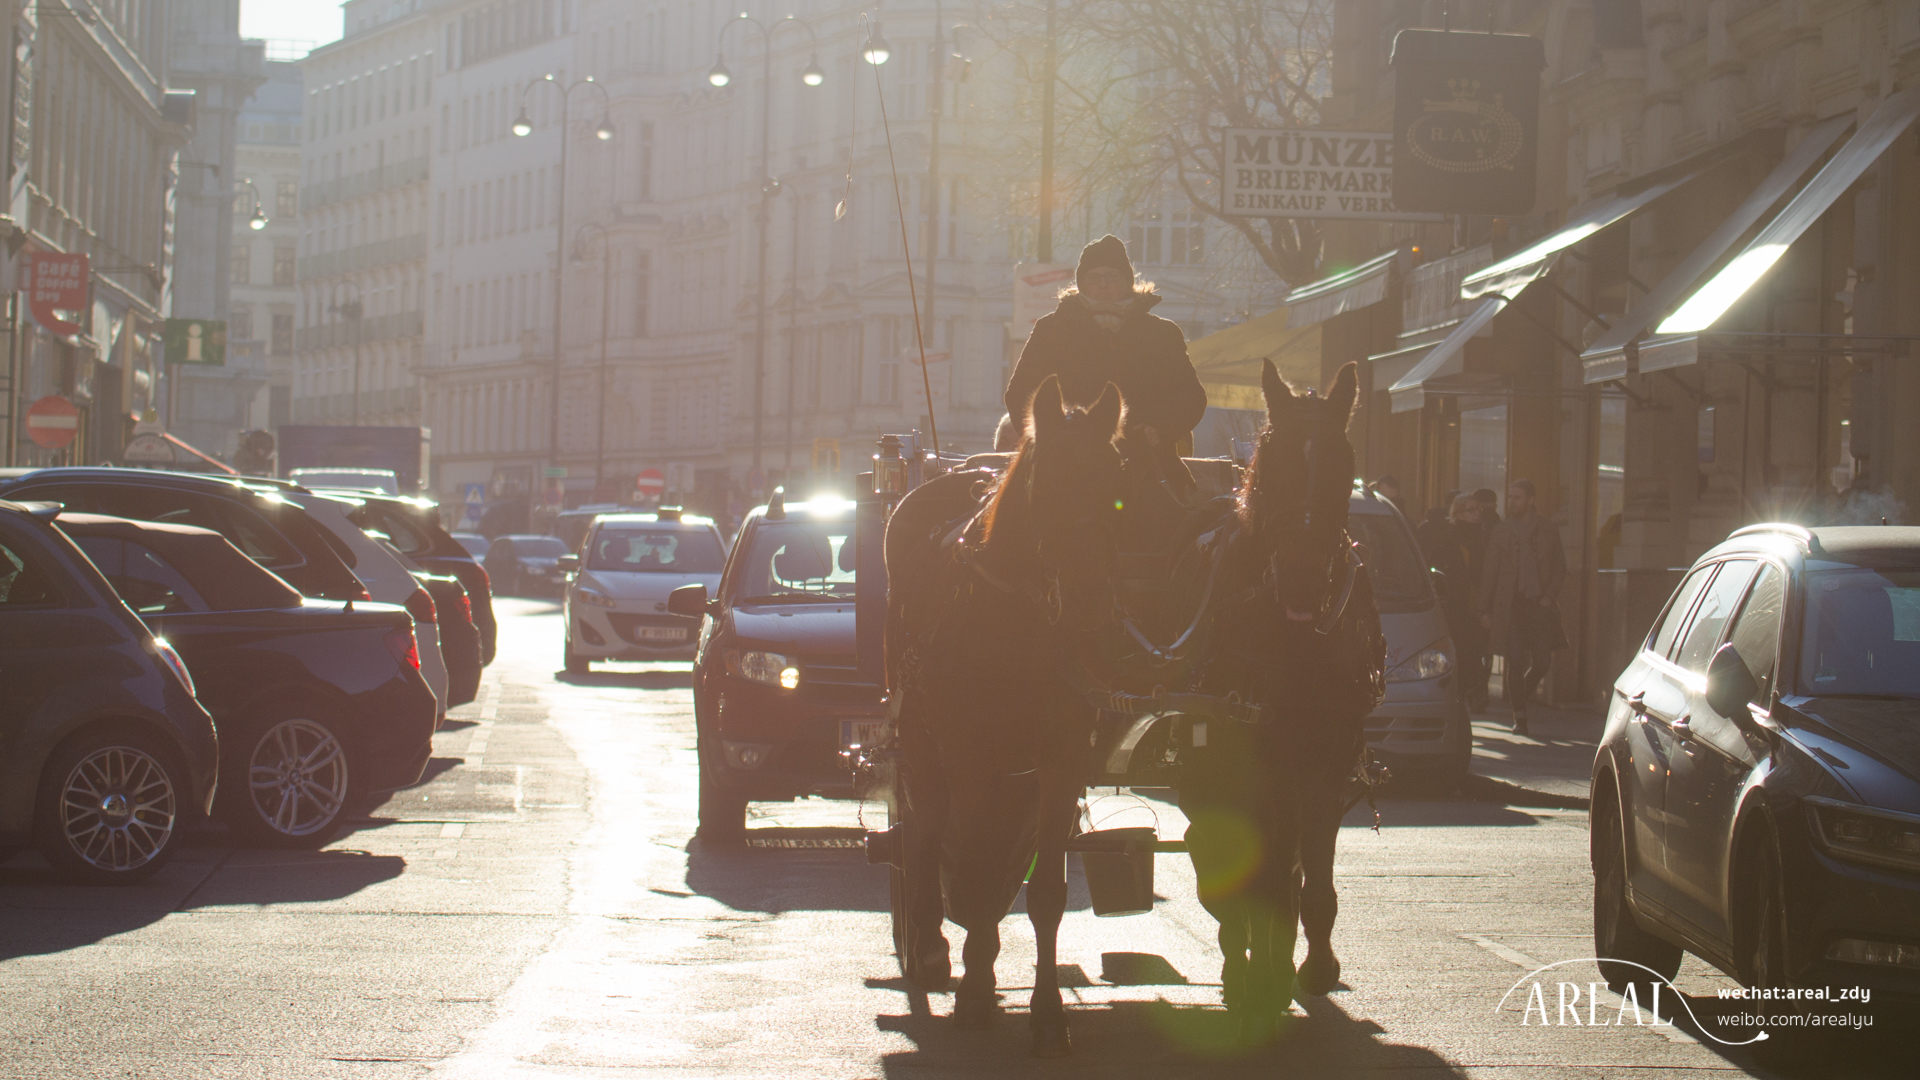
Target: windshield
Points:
(1862, 635)
(1401, 583)
(539, 547)
(673, 551)
(795, 559)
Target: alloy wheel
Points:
(118, 808)
(298, 778)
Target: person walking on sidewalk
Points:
(1517, 601)
(1469, 637)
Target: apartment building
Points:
(266, 243)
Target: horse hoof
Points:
(973, 1012)
(1319, 975)
(1051, 1040)
(931, 973)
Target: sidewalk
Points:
(1552, 764)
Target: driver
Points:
(1103, 332)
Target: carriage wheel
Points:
(896, 877)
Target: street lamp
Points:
(876, 50)
(606, 305)
(259, 219)
(769, 187)
(523, 126)
(350, 311)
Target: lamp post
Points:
(522, 127)
(811, 75)
(259, 219)
(350, 311)
(606, 305)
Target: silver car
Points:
(616, 592)
(1421, 731)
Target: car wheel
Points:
(288, 782)
(1629, 955)
(110, 805)
(576, 663)
(723, 810)
(1762, 927)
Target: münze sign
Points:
(1310, 174)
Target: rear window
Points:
(539, 547)
(23, 581)
(675, 551)
(1401, 583)
(242, 527)
(147, 582)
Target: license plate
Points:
(663, 633)
(862, 732)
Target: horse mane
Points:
(1017, 474)
(1243, 495)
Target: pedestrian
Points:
(1104, 332)
(1470, 638)
(1436, 538)
(1388, 488)
(1517, 599)
(1489, 504)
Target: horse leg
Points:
(1046, 904)
(1319, 902)
(974, 1003)
(925, 959)
(1233, 951)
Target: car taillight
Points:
(466, 608)
(360, 592)
(420, 606)
(175, 664)
(404, 649)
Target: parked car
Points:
(254, 515)
(1756, 795)
(475, 544)
(617, 587)
(526, 565)
(108, 756)
(460, 644)
(1422, 731)
(381, 481)
(317, 701)
(389, 580)
(777, 698)
(413, 527)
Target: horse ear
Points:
(1109, 411)
(1346, 388)
(1046, 411)
(1273, 386)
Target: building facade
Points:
(263, 262)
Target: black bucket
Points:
(1118, 881)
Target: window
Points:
(797, 559)
(1677, 610)
(240, 324)
(286, 200)
(148, 583)
(23, 582)
(242, 264)
(642, 291)
(1862, 635)
(1756, 635)
(678, 551)
(1716, 607)
(282, 343)
(284, 261)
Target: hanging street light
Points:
(876, 50)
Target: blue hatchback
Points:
(1756, 796)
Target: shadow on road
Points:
(40, 913)
(1145, 1037)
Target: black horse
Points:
(1293, 629)
(984, 623)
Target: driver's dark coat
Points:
(1146, 358)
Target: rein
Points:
(1175, 651)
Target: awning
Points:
(1362, 286)
(1446, 357)
(208, 459)
(1711, 300)
(1606, 358)
(1228, 362)
(1511, 275)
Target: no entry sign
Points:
(651, 482)
(53, 421)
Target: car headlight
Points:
(1859, 834)
(594, 599)
(1425, 664)
(766, 668)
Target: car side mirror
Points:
(688, 600)
(1439, 583)
(569, 564)
(1731, 687)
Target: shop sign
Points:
(1466, 121)
(1304, 173)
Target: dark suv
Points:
(105, 756)
(1756, 796)
(777, 699)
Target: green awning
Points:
(1228, 362)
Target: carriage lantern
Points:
(889, 468)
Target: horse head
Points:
(1294, 499)
(1056, 512)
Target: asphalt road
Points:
(535, 909)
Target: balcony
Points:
(364, 257)
(339, 335)
(327, 192)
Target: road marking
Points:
(452, 830)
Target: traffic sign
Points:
(53, 421)
(476, 502)
(148, 448)
(196, 341)
(651, 482)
